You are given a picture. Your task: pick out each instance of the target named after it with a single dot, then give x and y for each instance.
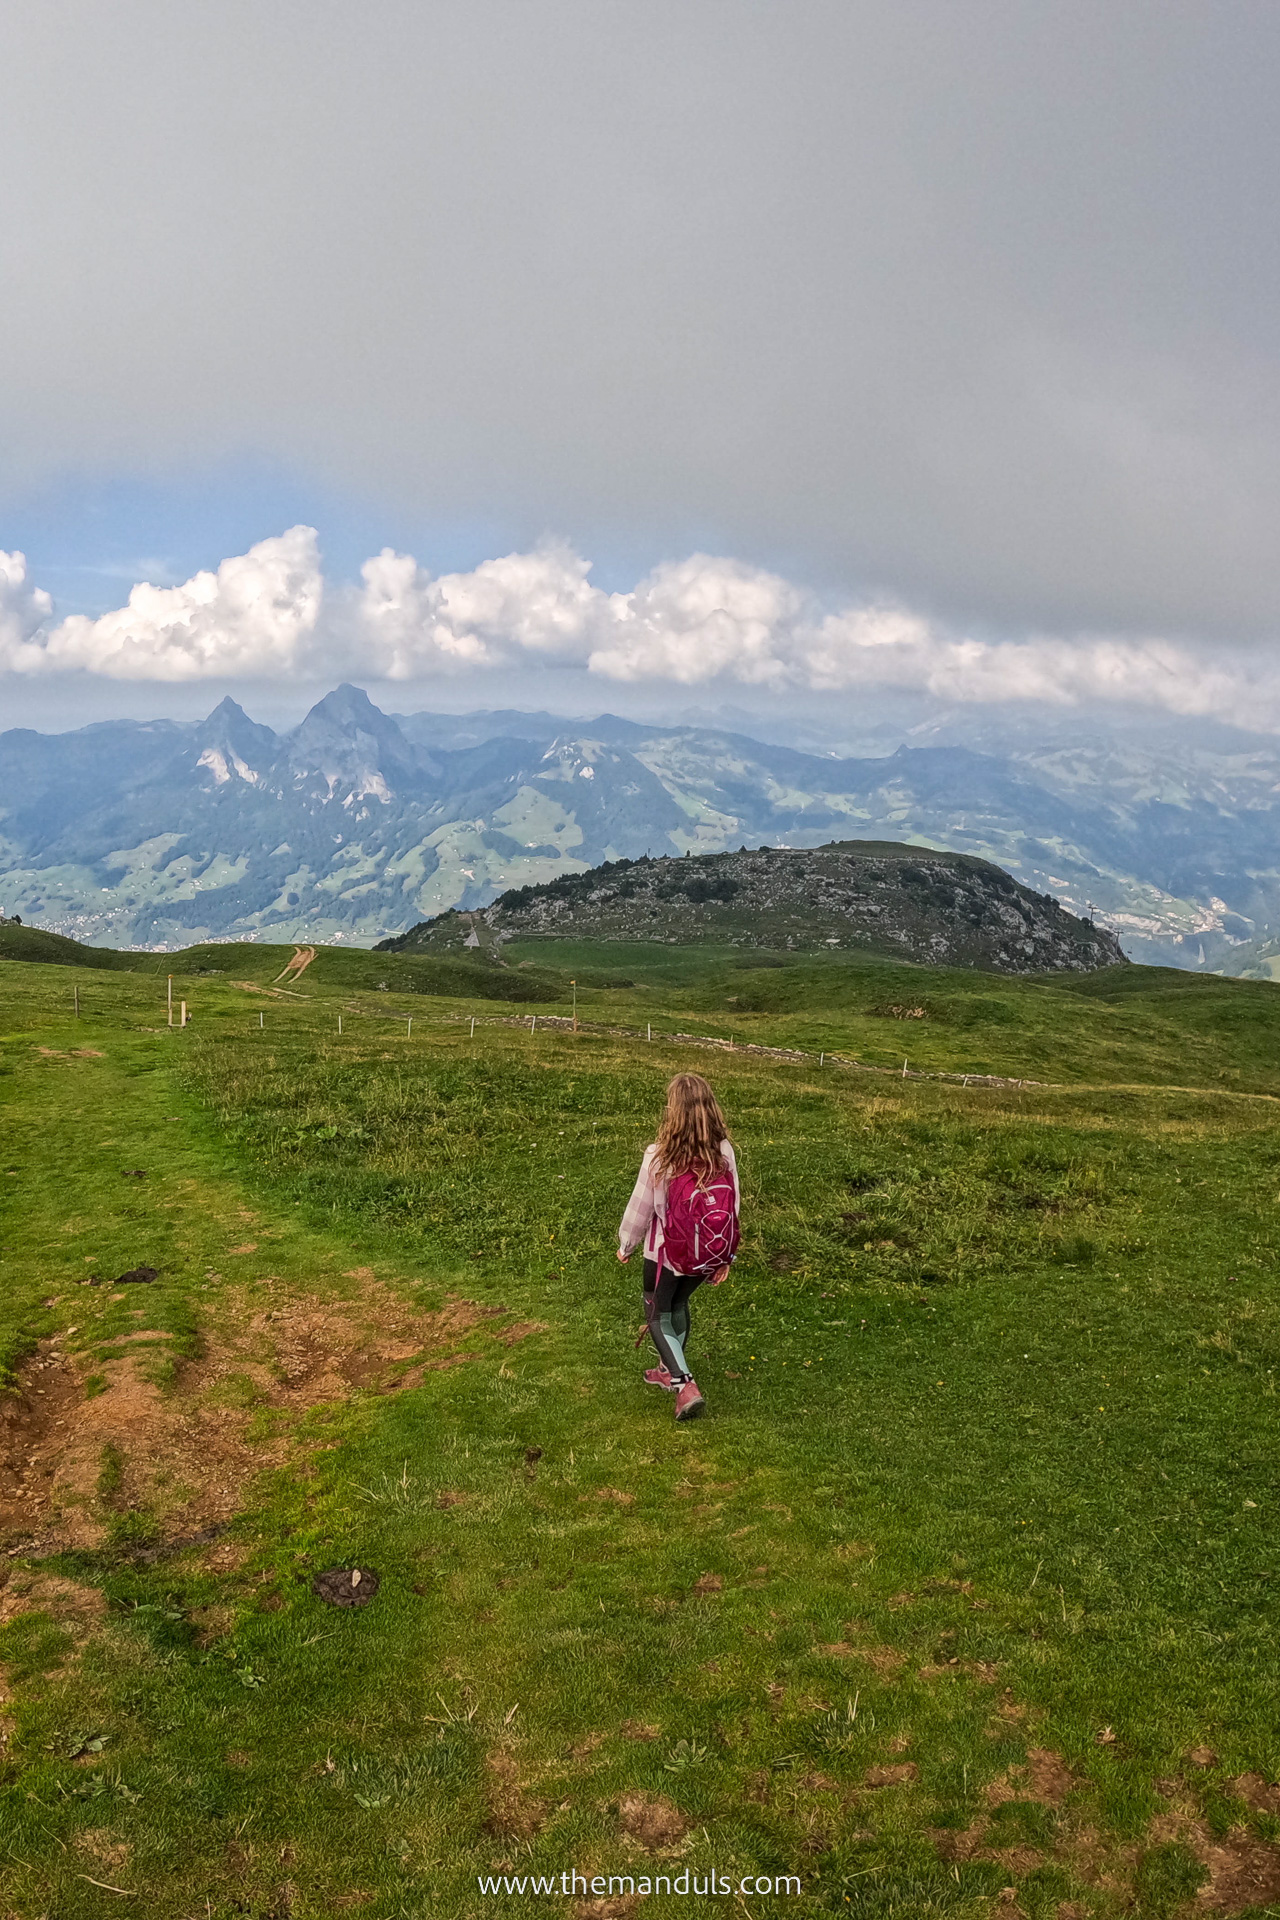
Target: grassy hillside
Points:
(1145, 1024)
(265, 966)
(965, 1583)
(54, 949)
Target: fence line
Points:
(794, 1056)
(797, 1056)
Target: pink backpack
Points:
(700, 1225)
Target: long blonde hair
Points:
(691, 1129)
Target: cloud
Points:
(885, 649)
(704, 621)
(24, 610)
(537, 604)
(974, 302)
(254, 617)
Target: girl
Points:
(684, 1210)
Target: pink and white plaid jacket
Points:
(642, 1221)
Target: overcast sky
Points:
(961, 314)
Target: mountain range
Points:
(357, 824)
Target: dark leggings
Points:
(666, 1309)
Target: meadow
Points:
(959, 1601)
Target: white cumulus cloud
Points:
(703, 619)
(24, 610)
(692, 622)
(538, 604)
(255, 616)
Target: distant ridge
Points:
(913, 903)
(358, 824)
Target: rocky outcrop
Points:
(913, 903)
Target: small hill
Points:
(55, 949)
(913, 903)
(345, 969)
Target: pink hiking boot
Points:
(659, 1377)
(689, 1401)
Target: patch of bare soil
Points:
(178, 1462)
(1255, 1792)
(880, 1658)
(183, 1456)
(513, 1813)
(896, 1776)
(1243, 1871)
(102, 1845)
(957, 1845)
(511, 1336)
(306, 1351)
(24, 1590)
(655, 1823)
(971, 1843)
(75, 1608)
(1046, 1778)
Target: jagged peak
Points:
(349, 705)
(229, 708)
(229, 720)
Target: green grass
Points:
(55, 949)
(988, 1464)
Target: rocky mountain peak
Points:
(230, 746)
(347, 750)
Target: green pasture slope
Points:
(988, 1467)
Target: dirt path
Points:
(302, 958)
